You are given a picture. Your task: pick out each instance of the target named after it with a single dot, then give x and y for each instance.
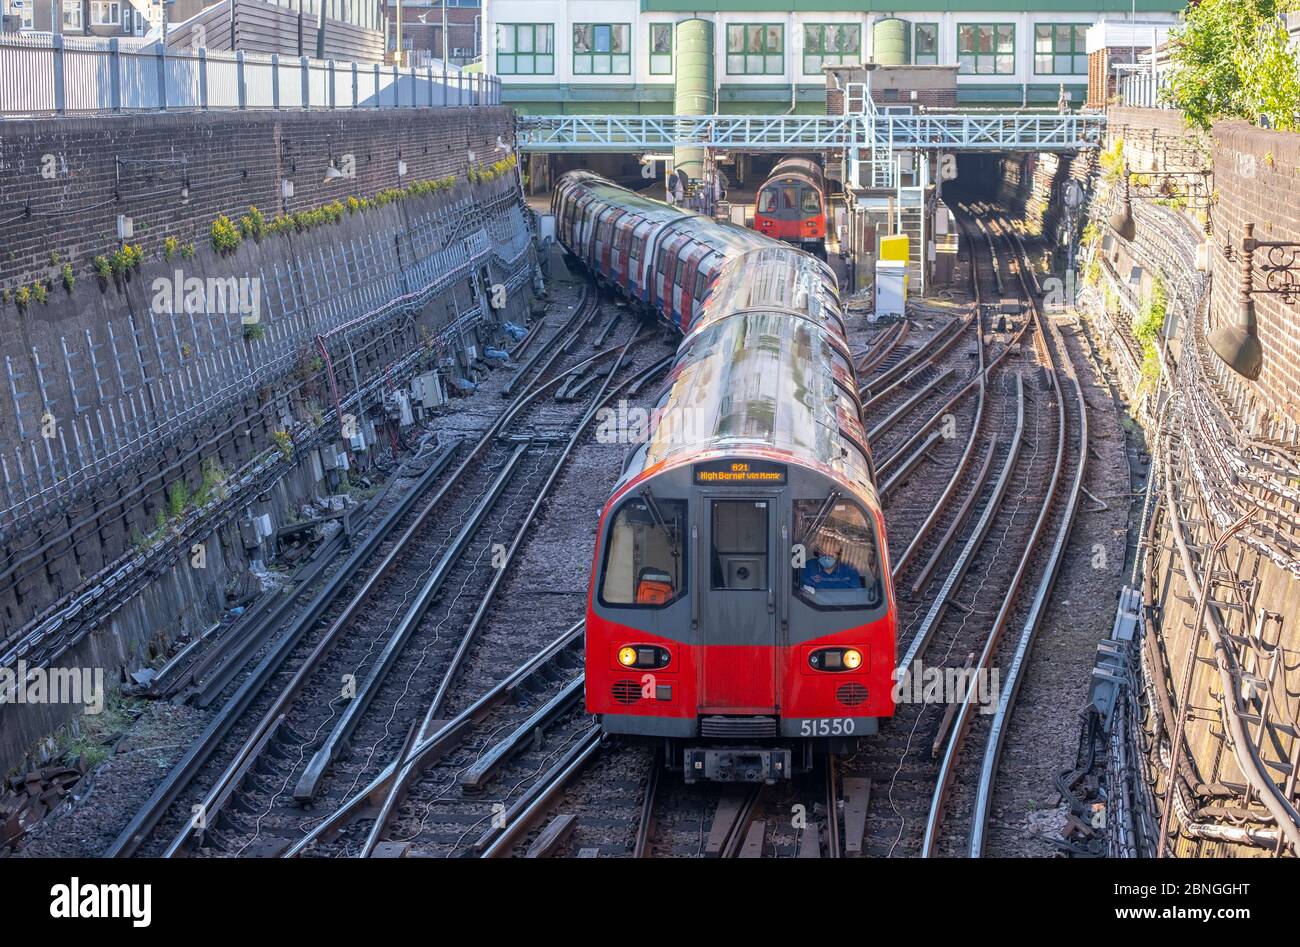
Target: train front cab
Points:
(792, 209)
(740, 612)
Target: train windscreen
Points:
(836, 565)
(644, 556)
(789, 201)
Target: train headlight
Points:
(643, 656)
(835, 659)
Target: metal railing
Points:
(42, 75)
(1061, 131)
(132, 386)
(1143, 90)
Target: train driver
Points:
(829, 571)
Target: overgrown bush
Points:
(1234, 59)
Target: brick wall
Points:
(1257, 176)
(63, 182)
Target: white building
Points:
(619, 56)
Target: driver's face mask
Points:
(827, 562)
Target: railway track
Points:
(1011, 495)
(924, 786)
(512, 766)
(396, 622)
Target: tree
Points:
(1233, 59)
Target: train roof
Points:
(797, 167)
(764, 368)
(760, 382)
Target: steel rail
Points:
(881, 350)
(148, 816)
(915, 362)
(189, 836)
(1014, 675)
(956, 739)
(327, 752)
(394, 778)
(645, 826)
(923, 532)
(496, 843)
(887, 423)
(923, 634)
(432, 714)
(434, 745)
(834, 840)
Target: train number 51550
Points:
(826, 727)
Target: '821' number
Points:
(826, 727)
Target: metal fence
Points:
(57, 75)
(1143, 90)
(140, 382)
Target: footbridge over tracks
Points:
(876, 131)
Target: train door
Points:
(737, 561)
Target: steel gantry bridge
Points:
(872, 131)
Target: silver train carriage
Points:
(754, 469)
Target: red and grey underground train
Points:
(791, 205)
(740, 608)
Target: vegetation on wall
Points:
(1233, 59)
(490, 172)
(1147, 328)
(226, 235)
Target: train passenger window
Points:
(837, 548)
(670, 262)
(645, 557)
(739, 549)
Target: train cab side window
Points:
(841, 568)
(645, 554)
(812, 204)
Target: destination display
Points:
(741, 472)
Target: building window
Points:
(525, 49)
(72, 15)
(986, 49)
(602, 49)
(925, 44)
(1061, 48)
(830, 44)
(105, 13)
(25, 13)
(661, 49)
(755, 49)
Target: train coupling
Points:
(736, 764)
